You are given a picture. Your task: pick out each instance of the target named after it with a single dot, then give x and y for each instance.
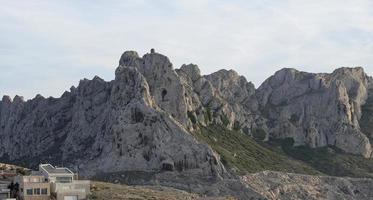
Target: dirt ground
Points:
(104, 191)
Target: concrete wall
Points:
(32, 182)
(36, 198)
(81, 195)
(76, 188)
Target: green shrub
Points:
(208, 115)
(224, 119)
(259, 134)
(236, 126)
(21, 171)
(192, 117)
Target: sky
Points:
(48, 46)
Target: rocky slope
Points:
(144, 120)
(281, 186)
(104, 191)
(317, 109)
(102, 126)
(137, 122)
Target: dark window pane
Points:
(37, 191)
(29, 191)
(44, 191)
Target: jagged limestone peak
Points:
(128, 57)
(192, 71)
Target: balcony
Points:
(77, 186)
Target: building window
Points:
(63, 179)
(29, 191)
(44, 191)
(37, 191)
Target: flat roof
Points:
(56, 170)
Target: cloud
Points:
(47, 46)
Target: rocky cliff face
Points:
(317, 109)
(122, 125)
(144, 120)
(314, 109)
(366, 121)
(192, 99)
(141, 121)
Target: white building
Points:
(4, 191)
(33, 187)
(64, 185)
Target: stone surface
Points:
(223, 97)
(137, 122)
(317, 109)
(286, 186)
(144, 120)
(314, 109)
(103, 127)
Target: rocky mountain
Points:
(102, 126)
(146, 121)
(317, 109)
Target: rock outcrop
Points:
(366, 121)
(223, 97)
(313, 109)
(101, 126)
(144, 120)
(317, 109)
(278, 185)
(141, 121)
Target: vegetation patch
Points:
(208, 115)
(192, 117)
(328, 160)
(224, 119)
(242, 154)
(236, 126)
(259, 134)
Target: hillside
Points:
(157, 125)
(328, 160)
(275, 186)
(104, 191)
(243, 155)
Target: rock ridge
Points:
(145, 119)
